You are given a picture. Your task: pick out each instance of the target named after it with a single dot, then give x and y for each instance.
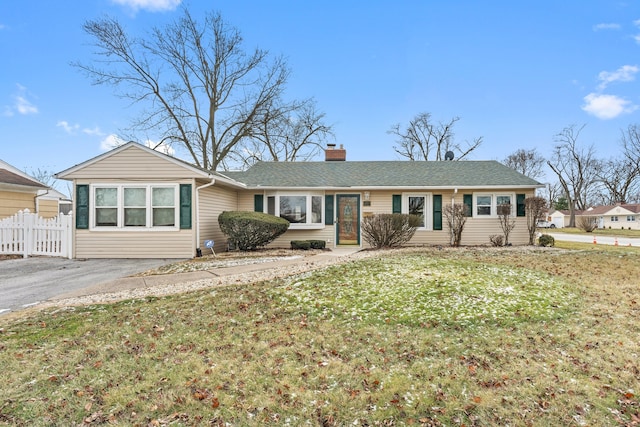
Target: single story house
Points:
(136, 202)
(19, 191)
(621, 215)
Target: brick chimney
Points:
(333, 154)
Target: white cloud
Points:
(606, 26)
(67, 127)
(95, 131)
(163, 148)
(607, 106)
(110, 142)
(150, 5)
(626, 73)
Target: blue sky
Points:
(515, 72)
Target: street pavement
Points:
(599, 240)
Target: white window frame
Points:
(614, 218)
(631, 218)
(309, 224)
(428, 208)
(493, 206)
(120, 225)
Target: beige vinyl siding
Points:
(130, 163)
(131, 243)
(134, 244)
(12, 202)
(47, 208)
(213, 201)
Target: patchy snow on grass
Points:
(418, 290)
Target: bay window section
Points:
(301, 210)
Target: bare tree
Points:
(295, 132)
(456, 217)
(424, 140)
(527, 162)
(535, 208)
(507, 222)
(620, 179)
(577, 169)
(202, 90)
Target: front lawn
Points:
(416, 337)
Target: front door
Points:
(348, 215)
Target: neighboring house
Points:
(136, 202)
(625, 216)
(19, 191)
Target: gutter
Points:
(197, 214)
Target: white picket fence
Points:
(27, 233)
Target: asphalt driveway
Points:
(27, 281)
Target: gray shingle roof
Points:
(381, 174)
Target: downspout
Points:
(197, 215)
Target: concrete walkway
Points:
(139, 282)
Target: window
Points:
(614, 218)
(163, 200)
(631, 218)
(483, 205)
(139, 206)
(301, 210)
(492, 205)
(418, 205)
(106, 207)
(135, 211)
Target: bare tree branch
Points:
(201, 90)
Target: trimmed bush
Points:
(301, 244)
(546, 240)
(308, 244)
(251, 230)
(389, 230)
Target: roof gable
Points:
(404, 174)
(14, 177)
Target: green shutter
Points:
(467, 199)
(520, 210)
(82, 207)
(258, 203)
(396, 205)
(437, 212)
(328, 210)
(185, 206)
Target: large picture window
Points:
(139, 206)
(301, 210)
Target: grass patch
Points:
(416, 290)
(309, 351)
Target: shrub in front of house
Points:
(546, 240)
(496, 239)
(587, 223)
(389, 230)
(308, 244)
(250, 230)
